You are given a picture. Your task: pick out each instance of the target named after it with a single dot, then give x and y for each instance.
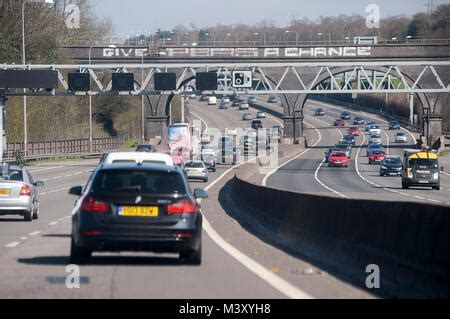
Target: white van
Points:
(212, 100)
(139, 158)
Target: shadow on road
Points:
(104, 261)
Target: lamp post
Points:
(296, 35)
(329, 36)
(25, 132)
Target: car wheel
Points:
(405, 186)
(79, 255)
(192, 257)
(205, 180)
(437, 188)
(36, 214)
(28, 217)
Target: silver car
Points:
(196, 169)
(261, 115)
(375, 139)
(18, 194)
(400, 137)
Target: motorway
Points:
(236, 263)
(309, 174)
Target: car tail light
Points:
(186, 206)
(25, 191)
(91, 205)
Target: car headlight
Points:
(410, 175)
(383, 167)
(436, 176)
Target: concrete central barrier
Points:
(408, 241)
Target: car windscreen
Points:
(423, 163)
(138, 181)
(392, 161)
(377, 153)
(208, 158)
(194, 164)
(338, 154)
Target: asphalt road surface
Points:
(309, 174)
(236, 264)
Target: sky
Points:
(132, 17)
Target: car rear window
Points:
(138, 181)
(13, 175)
(194, 164)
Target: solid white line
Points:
(264, 181)
(272, 279)
(12, 244)
(316, 177)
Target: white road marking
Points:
(316, 177)
(45, 169)
(264, 181)
(35, 233)
(23, 238)
(272, 279)
(53, 223)
(12, 244)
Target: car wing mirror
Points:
(76, 190)
(200, 193)
(39, 183)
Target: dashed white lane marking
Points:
(45, 169)
(23, 238)
(12, 244)
(35, 233)
(445, 173)
(55, 191)
(53, 223)
(278, 283)
(264, 181)
(358, 172)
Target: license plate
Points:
(138, 211)
(423, 182)
(5, 191)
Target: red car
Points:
(338, 158)
(339, 122)
(353, 131)
(376, 157)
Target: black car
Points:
(137, 207)
(257, 124)
(358, 120)
(394, 125)
(349, 139)
(345, 115)
(319, 112)
(145, 148)
(210, 161)
(391, 165)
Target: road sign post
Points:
(2, 128)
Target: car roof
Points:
(138, 157)
(143, 167)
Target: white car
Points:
(208, 149)
(206, 138)
(226, 99)
(212, 100)
(261, 115)
(375, 139)
(243, 106)
(400, 137)
(138, 158)
(375, 130)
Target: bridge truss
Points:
(357, 77)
